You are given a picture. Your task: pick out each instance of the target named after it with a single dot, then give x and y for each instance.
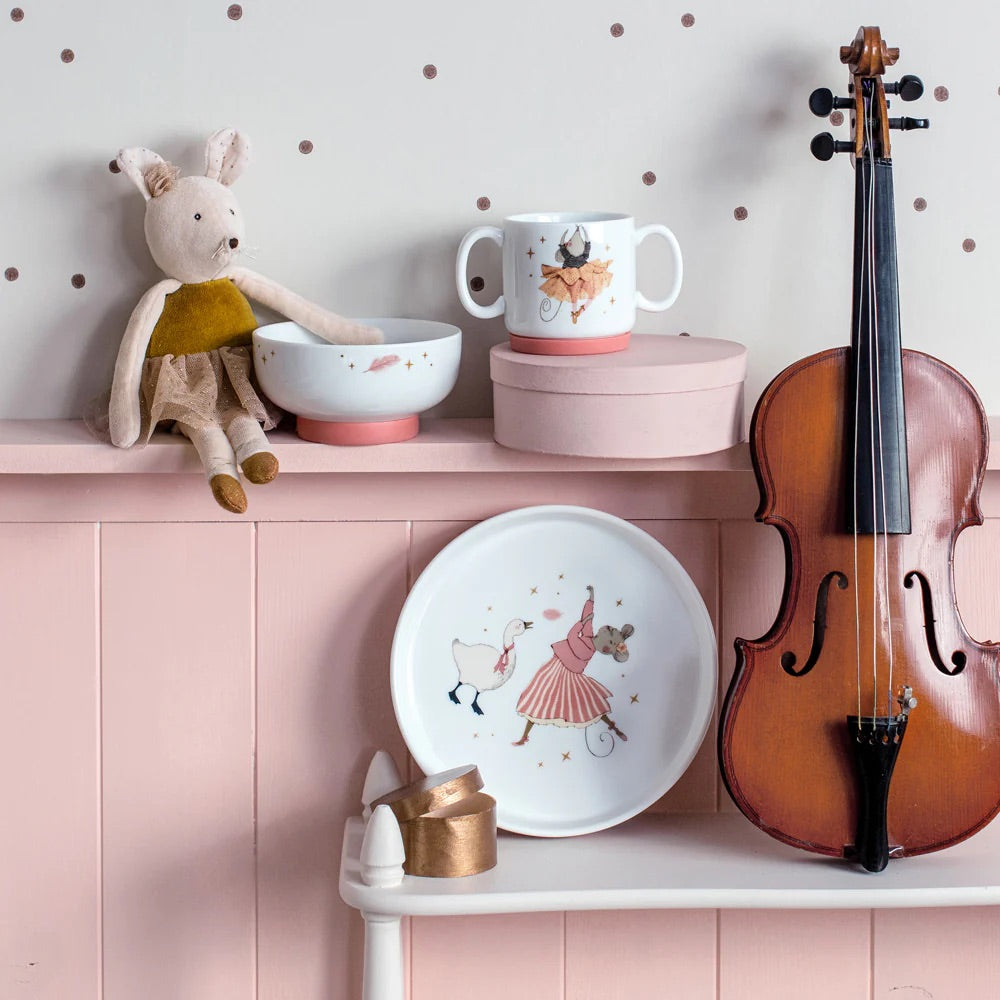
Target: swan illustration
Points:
(485, 667)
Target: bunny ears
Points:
(227, 153)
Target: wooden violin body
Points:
(784, 745)
(866, 723)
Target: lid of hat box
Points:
(663, 397)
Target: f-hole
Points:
(958, 658)
(819, 626)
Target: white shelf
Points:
(679, 862)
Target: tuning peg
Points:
(906, 124)
(909, 88)
(822, 102)
(824, 146)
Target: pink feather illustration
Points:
(386, 361)
(551, 614)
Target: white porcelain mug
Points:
(569, 283)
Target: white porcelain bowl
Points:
(358, 393)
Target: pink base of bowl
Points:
(569, 346)
(357, 432)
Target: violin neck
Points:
(879, 493)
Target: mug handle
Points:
(659, 230)
(461, 266)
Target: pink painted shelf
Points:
(447, 445)
(678, 861)
(40, 447)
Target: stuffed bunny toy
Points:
(186, 355)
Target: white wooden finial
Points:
(382, 778)
(382, 852)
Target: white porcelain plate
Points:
(614, 704)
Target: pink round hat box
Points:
(664, 397)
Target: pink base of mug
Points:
(350, 432)
(569, 346)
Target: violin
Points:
(866, 723)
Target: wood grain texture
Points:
(329, 595)
(177, 636)
(610, 955)
(779, 955)
(50, 893)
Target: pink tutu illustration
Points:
(561, 693)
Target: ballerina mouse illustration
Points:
(560, 693)
(576, 280)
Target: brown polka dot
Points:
(78, 281)
(968, 245)
(477, 284)
(837, 118)
(740, 213)
(941, 94)
(919, 204)
(649, 178)
(687, 20)
(113, 167)
(684, 333)
(234, 12)
(17, 14)
(617, 30)
(305, 146)
(67, 55)
(12, 274)
(483, 204)
(430, 71)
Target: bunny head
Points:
(194, 226)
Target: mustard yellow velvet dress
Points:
(199, 363)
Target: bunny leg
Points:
(253, 450)
(219, 462)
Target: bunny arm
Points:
(124, 412)
(332, 328)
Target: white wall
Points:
(534, 106)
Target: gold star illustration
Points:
(562, 576)
(612, 300)
(530, 253)
(618, 603)
(489, 607)
(425, 354)
(263, 358)
(351, 365)
(541, 763)
(542, 239)
(607, 246)
(566, 755)
(409, 365)
(475, 736)
(635, 699)
(534, 590)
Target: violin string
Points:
(873, 411)
(857, 434)
(881, 458)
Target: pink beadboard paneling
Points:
(977, 579)
(941, 954)
(625, 955)
(49, 763)
(178, 761)
(785, 955)
(383, 497)
(488, 957)
(751, 574)
(329, 595)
